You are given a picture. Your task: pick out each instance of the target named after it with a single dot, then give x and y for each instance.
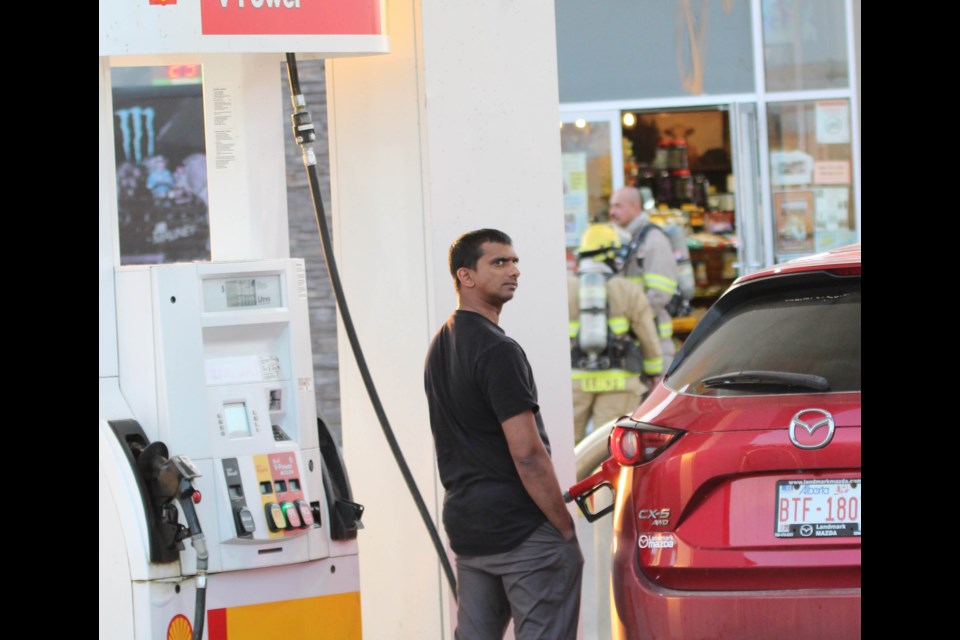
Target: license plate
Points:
(822, 508)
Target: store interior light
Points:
(629, 119)
(580, 123)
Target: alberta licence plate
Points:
(818, 508)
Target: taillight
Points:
(633, 443)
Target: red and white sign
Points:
(290, 17)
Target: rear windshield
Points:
(807, 325)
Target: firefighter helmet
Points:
(600, 241)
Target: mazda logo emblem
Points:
(811, 421)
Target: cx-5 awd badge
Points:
(809, 421)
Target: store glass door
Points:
(591, 149)
(688, 160)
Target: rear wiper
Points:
(768, 378)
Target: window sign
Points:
(794, 212)
(833, 122)
(790, 168)
(574, 196)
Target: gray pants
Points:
(538, 584)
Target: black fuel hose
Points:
(305, 134)
(199, 543)
(200, 607)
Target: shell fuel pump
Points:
(216, 365)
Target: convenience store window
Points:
(811, 176)
(642, 49)
(804, 45)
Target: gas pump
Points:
(215, 363)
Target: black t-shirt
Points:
(476, 378)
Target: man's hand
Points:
(536, 471)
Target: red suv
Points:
(738, 481)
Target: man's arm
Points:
(536, 471)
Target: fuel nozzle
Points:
(172, 478)
(175, 476)
(185, 472)
(162, 479)
(603, 478)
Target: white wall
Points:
(455, 129)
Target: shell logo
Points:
(179, 628)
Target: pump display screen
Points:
(239, 293)
(235, 417)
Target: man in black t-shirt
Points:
(504, 514)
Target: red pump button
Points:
(293, 517)
(306, 514)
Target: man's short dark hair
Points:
(467, 249)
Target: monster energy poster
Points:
(161, 164)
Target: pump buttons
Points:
(275, 519)
(292, 515)
(245, 522)
(289, 515)
(306, 514)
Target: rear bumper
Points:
(641, 610)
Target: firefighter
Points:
(650, 261)
(614, 346)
